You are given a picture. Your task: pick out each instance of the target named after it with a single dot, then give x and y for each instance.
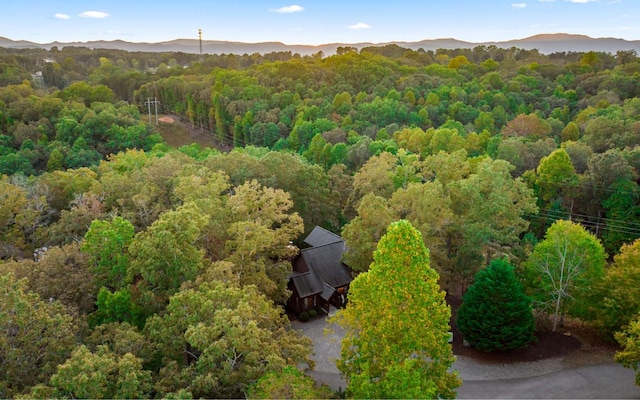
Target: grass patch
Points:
(177, 134)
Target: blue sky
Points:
(314, 22)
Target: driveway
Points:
(546, 379)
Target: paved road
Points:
(545, 379)
(604, 381)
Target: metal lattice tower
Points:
(200, 38)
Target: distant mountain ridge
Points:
(545, 43)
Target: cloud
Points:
(358, 26)
(519, 5)
(61, 16)
(288, 9)
(581, 1)
(93, 14)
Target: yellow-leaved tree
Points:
(396, 324)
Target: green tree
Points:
(556, 178)
(118, 306)
(101, 375)
(20, 214)
(364, 231)
(289, 383)
(36, 336)
(260, 236)
(571, 132)
(622, 208)
(397, 323)
(427, 207)
(106, 243)
(563, 269)
(490, 208)
(375, 177)
(629, 356)
(495, 313)
(56, 160)
(619, 294)
(217, 339)
(165, 255)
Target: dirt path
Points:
(177, 133)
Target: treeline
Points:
(71, 128)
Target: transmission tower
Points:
(155, 103)
(200, 37)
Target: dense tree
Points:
(363, 232)
(37, 336)
(99, 375)
(260, 237)
(619, 293)
(556, 179)
(563, 268)
(428, 208)
(495, 313)
(397, 323)
(106, 243)
(629, 356)
(164, 256)
(490, 208)
(290, 383)
(216, 340)
(423, 124)
(58, 274)
(375, 177)
(21, 212)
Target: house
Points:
(319, 278)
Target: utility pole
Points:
(155, 103)
(200, 37)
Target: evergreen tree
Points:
(495, 313)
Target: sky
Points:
(314, 22)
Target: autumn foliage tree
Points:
(619, 303)
(216, 340)
(397, 323)
(36, 336)
(629, 356)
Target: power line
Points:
(608, 226)
(155, 103)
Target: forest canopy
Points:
(108, 234)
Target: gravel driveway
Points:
(541, 379)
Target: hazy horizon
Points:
(315, 22)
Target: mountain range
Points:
(546, 44)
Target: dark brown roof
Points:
(320, 236)
(318, 269)
(327, 292)
(325, 261)
(307, 284)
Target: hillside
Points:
(546, 44)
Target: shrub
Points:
(304, 316)
(313, 313)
